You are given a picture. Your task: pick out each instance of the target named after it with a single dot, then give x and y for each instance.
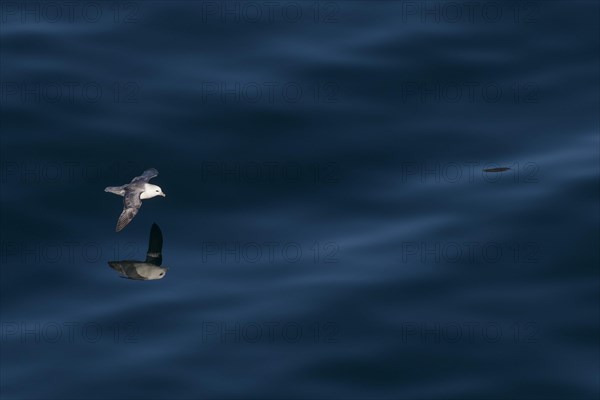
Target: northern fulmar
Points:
(133, 193)
(144, 270)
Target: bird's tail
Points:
(119, 190)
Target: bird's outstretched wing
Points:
(146, 176)
(131, 206)
(154, 254)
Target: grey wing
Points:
(131, 206)
(154, 254)
(146, 176)
(126, 269)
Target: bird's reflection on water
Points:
(144, 270)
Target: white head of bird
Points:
(151, 191)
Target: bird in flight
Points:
(133, 193)
(144, 270)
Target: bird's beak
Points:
(163, 195)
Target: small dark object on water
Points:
(499, 169)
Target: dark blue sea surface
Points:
(329, 228)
